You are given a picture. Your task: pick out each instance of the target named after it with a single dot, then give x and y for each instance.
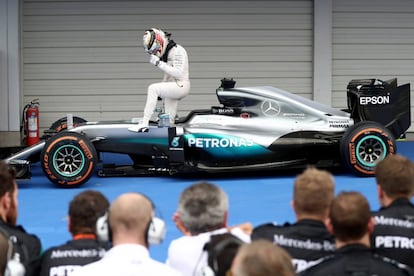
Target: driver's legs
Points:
(171, 92)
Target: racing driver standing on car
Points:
(172, 59)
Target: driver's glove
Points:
(154, 60)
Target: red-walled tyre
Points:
(68, 159)
(364, 145)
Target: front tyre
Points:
(364, 145)
(62, 123)
(68, 159)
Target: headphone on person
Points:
(13, 265)
(218, 260)
(102, 228)
(155, 233)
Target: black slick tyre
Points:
(68, 159)
(364, 145)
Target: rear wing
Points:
(382, 101)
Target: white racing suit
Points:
(174, 87)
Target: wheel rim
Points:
(68, 160)
(370, 150)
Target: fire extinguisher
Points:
(31, 122)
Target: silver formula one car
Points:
(253, 128)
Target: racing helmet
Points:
(155, 41)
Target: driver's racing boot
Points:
(141, 127)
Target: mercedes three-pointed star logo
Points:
(270, 108)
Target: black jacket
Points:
(393, 234)
(356, 259)
(28, 246)
(63, 259)
(306, 240)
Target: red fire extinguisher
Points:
(31, 122)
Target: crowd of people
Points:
(332, 235)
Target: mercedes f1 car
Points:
(253, 128)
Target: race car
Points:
(252, 128)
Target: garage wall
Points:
(372, 39)
(86, 57)
(9, 68)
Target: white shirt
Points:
(186, 255)
(126, 260)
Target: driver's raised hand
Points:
(154, 60)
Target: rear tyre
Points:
(364, 145)
(68, 159)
